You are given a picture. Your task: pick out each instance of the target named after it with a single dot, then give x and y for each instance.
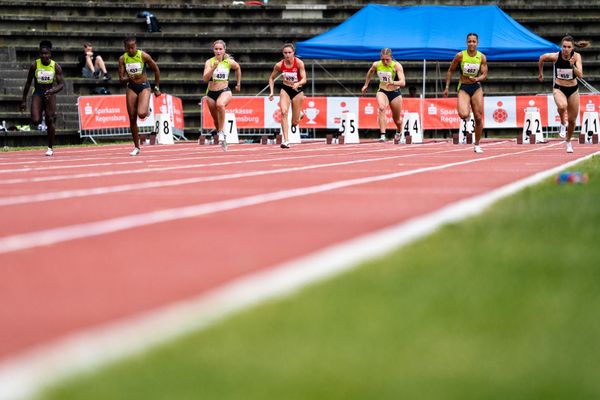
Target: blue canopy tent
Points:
(426, 33)
(434, 33)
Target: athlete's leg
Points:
(132, 105)
(477, 107)
(284, 106)
(396, 106)
(561, 104)
(220, 105)
(50, 111)
(382, 104)
(572, 113)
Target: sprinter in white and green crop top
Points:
(473, 71)
(218, 94)
(132, 72)
(391, 79)
(45, 73)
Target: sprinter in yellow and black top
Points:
(132, 72)
(568, 66)
(391, 79)
(473, 71)
(216, 73)
(44, 72)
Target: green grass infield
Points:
(505, 305)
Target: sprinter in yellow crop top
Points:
(218, 94)
(391, 79)
(132, 72)
(44, 72)
(473, 71)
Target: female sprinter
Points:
(568, 67)
(45, 71)
(473, 70)
(216, 73)
(291, 93)
(391, 79)
(132, 72)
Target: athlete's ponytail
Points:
(578, 44)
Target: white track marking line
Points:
(74, 232)
(290, 156)
(47, 167)
(206, 151)
(24, 375)
(67, 194)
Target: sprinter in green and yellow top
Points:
(132, 72)
(473, 70)
(218, 94)
(391, 79)
(45, 72)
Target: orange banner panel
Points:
(249, 112)
(101, 112)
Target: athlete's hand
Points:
(23, 106)
(364, 89)
(445, 93)
(238, 87)
(271, 97)
(541, 77)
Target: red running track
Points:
(92, 235)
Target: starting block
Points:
(164, 130)
(589, 128)
(230, 128)
(532, 129)
(330, 139)
(412, 131)
(466, 132)
(349, 129)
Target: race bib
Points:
(220, 74)
(384, 76)
(564, 73)
(134, 69)
(291, 77)
(44, 76)
(470, 69)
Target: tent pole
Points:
(312, 90)
(421, 108)
(312, 79)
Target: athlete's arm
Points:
(453, 65)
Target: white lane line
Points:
(24, 375)
(62, 234)
(67, 194)
(290, 156)
(182, 157)
(205, 152)
(54, 167)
